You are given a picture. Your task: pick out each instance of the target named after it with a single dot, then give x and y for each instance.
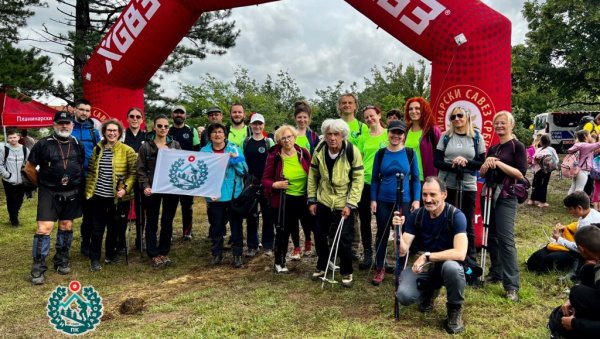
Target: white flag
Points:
(189, 173)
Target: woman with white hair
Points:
(506, 162)
(459, 155)
(335, 183)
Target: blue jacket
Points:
(236, 169)
(83, 133)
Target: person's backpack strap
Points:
(92, 132)
(6, 150)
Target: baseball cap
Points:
(213, 109)
(257, 117)
(397, 125)
(179, 108)
(62, 117)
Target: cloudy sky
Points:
(302, 37)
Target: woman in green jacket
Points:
(111, 176)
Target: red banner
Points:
(32, 114)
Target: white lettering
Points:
(134, 21)
(396, 7)
(122, 45)
(150, 12)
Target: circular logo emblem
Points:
(261, 149)
(75, 310)
(188, 175)
(471, 98)
(186, 135)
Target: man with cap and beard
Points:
(60, 158)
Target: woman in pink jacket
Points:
(586, 147)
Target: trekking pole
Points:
(334, 246)
(121, 216)
(459, 182)
(487, 209)
(142, 222)
(399, 194)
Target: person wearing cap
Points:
(369, 144)
(256, 148)
(237, 132)
(215, 116)
(88, 136)
(388, 163)
(459, 155)
(188, 139)
(60, 158)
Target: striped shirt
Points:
(104, 186)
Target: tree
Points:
(563, 44)
(24, 70)
(13, 15)
(89, 20)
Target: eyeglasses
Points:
(112, 131)
(286, 138)
(218, 132)
(133, 116)
(161, 126)
(456, 116)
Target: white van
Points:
(560, 126)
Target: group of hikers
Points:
(419, 183)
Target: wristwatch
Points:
(427, 255)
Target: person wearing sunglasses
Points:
(423, 135)
(134, 137)
(459, 155)
(155, 140)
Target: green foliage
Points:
(13, 15)
(24, 70)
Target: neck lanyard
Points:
(65, 159)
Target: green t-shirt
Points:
(237, 136)
(355, 127)
(295, 175)
(412, 141)
(302, 141)
(368, 146)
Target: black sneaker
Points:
(63, 269)
(115, 260)
(366, 263)
(217, 259)
(238, 261)
(95, 266)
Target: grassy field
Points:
(194, 299)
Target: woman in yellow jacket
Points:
(111, 176)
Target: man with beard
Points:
(189, 140)
(215, 116)
(60, 158)
(238, 131)
(88, 137)
(441, 231)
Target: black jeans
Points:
(267, 225)
(295, 209)
(540, 186)
(169, 207)
(219, 213)
(364, 213)
(14, 199)
(325, 217)
(104, 215)
(187, 203)
(468, 208)
(384, 223)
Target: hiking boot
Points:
(217, 259)
(157, 262)
(114, 260)
(252, 252)
(492, 280)
(367, 261)
(15, 223)
(63, 269)
(317, 275)
(378, 278)
(454, 322)
(427, 300)
(281, 268)
(238, 261)
(296, 254)
(347, 280)
(39, 280)
(95, 266)
(166, 261)
(308, 248)
(512, 295)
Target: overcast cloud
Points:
(318, 42)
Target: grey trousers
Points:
(452, 275)
(501, 243)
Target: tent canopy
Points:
(32, 114)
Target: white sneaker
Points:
(281, 269)
(347, 280)
(333, 267)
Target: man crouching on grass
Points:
(441, 231)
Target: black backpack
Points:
(584, 120)
(410, 153)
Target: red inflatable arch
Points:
(467, 43)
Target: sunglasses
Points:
(456, 116)
(160, 126)
(133, 116)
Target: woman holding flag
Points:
(155, 140)
(219, 209)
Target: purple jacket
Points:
(427, 149)
(274, 171)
